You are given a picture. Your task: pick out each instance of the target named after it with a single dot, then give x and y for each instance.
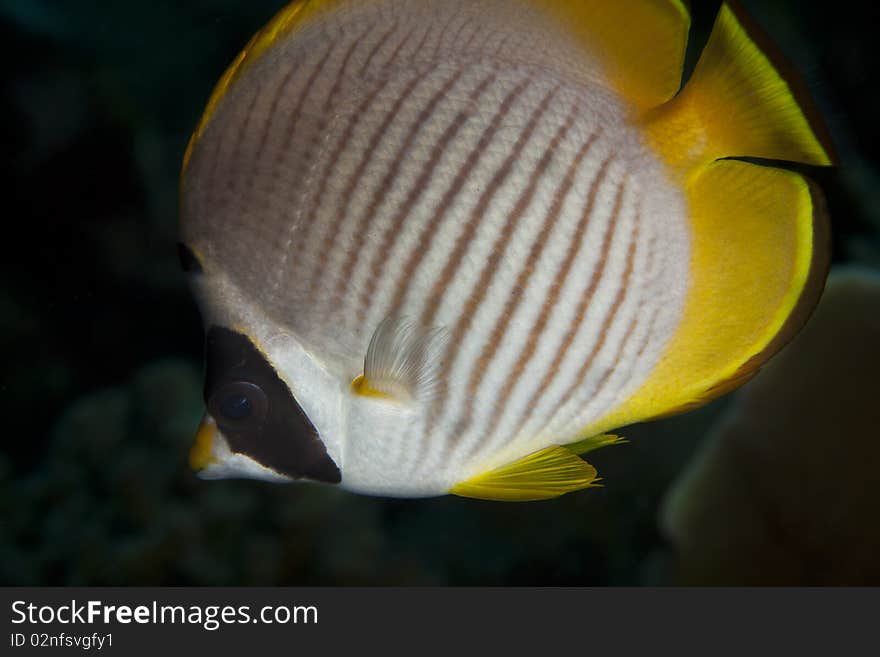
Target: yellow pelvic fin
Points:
(736, 104)
(640, 43)
(288, 19)
(542, 475)
(760, 254)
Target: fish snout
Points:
(204, 450)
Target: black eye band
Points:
(257, 413)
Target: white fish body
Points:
(462, 172)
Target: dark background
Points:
(101, 342)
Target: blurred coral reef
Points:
(786, 488)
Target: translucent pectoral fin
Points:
(402, 361)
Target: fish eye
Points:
(238, 402)
(236, 406)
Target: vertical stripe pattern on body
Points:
(420, 183)
(552, 299)
(424, 241)
(498, 251)
(426, 166)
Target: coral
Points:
(786, 488)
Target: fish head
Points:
(256, 424)
(271, 410)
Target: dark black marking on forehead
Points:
(189, 262)
(280, 436)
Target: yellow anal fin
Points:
(542, 475)
(760, 255)
(586, 445)
(288, 19)
(640, 43)
(736, 104)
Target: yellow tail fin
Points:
(736, 104)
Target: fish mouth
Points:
(210, 457)
(202, 454)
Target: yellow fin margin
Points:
(736, 104)
(640, 43)
(289, 18)
(760, 254)
(760, 235)
(542, 475)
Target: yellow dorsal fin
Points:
(760, 254)
(736, 104)
(542, 475)
(289, 18)
(640, 43)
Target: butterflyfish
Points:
(450, 247)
